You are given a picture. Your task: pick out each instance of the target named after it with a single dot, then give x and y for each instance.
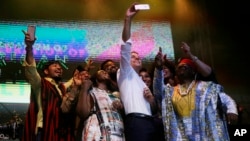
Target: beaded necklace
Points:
(185, 92)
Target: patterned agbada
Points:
(57, 126)
(105, 123)
(203, 121)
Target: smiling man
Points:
(136, 97)
(45, 119)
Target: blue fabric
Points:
(205, 122)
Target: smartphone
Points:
(32, 31)
(142, 7)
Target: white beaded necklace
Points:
(188, 89)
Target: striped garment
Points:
(57, 126)
(106, 123)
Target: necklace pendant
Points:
(182, 93)
(186, 91)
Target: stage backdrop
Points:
(76, 41)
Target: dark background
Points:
(216, 30)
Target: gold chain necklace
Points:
(185, 92)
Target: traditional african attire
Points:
(196, 116)
(105, 123)
(44, 112)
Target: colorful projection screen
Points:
(77, 41)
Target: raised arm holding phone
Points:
(137, 99)
(45, 119)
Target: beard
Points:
(112, 75)
(185, 75)
(57, 79)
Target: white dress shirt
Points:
(131, 85)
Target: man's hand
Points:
(117, 104)
(186, 50)
(27, 40)
(159, 58)
(76, 78)
(67, 102)
(89, 65)
(131, 12)
(232, 118)
(148, 95)
(87, 84)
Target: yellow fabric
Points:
(184, 105)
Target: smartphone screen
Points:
(31, 30)
(142, 7)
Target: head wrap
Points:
(188, 62)
(46, 64)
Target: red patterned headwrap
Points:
(188, 62)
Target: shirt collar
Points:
(52, 81)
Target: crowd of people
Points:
(12, 130)
(127, 101)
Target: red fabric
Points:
(188, 62)
(30, 121)
(57, 126)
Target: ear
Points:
(46, 72)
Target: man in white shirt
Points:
(137, 99)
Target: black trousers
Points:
(139, 127)
(39, 134)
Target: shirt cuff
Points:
(128, 41)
